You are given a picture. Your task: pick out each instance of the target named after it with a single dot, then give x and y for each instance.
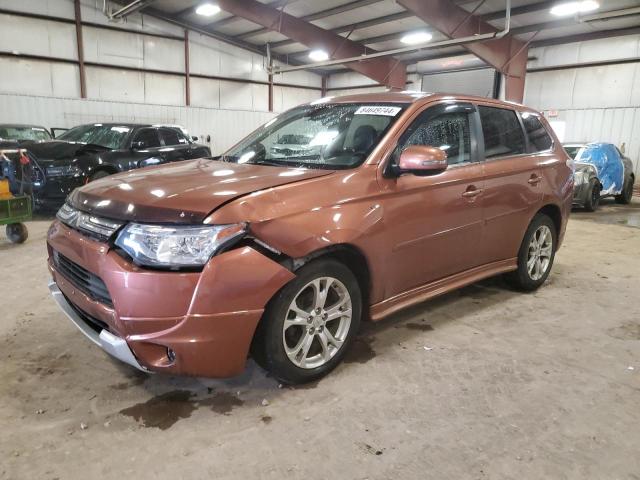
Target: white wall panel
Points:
(225, 127)
(38, 78)
(113, 48)
(349, 79)
(285, 98)
(113, 84)
(165, 89)
(163, 54)
(55, 8)
(37, 37)
(205, 92)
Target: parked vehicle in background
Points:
(410, 195)
(89, 152)
(601, 170)
(18, 135)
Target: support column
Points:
(187, 82)
(80, 44)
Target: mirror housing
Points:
(422, 160)
(138, 146)
(195, 139)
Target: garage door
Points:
(471, 82)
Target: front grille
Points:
(99, 228)
(85, 281)
(95, 324)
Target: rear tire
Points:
(593, 196)
(297, 341)
(536, 255)
(627, 193)
(17, 232)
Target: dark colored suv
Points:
(88, 152)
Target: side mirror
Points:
(138, 146)
(195, 139)
(422, 160)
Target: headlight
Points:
(179, 246)
(64, 171)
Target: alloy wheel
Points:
(540, 250)
(317, 322)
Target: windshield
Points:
(36, 134)
(334, 136)
(108, 136)
(572, 150)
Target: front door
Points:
(434, 222)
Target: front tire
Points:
(627, 193)
(310, 324)
(536, 254)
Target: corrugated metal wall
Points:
(594, 103)
(225, 127)
(46, 92)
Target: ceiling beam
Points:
(329, 12)
(233, 18)
(492, 16)
(507, 54)
(388, 71)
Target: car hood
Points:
(48, 152)
(184, 192)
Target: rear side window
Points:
(539, 138)
(147, 138)
(172, 137)
(502, 132)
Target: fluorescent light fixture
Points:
(207, 9)
(318, 55)
(573, 8)
(414, 38)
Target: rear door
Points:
(175, 145)
(513, 181)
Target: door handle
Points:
(472, 192)
(534, 180)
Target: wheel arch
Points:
(552, 211)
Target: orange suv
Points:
(341, 210)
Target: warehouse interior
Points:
(481, 382)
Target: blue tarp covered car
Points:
(601, 170)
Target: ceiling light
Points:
(318, 55)
(207, 9)
(573, 8)
(415, 38)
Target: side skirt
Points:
(425, 292)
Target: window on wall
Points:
(539, 139)
(448, 132)
(502, 132)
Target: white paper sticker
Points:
(378, 110)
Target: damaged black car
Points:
(89, 152)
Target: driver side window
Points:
(449, 132)
(147, 138)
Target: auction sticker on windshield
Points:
(378, 110)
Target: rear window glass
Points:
(539, 138)
(502, 133)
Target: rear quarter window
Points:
(539, 138)
(503, 135)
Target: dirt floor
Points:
(481, 383)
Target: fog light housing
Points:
(171, 355)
